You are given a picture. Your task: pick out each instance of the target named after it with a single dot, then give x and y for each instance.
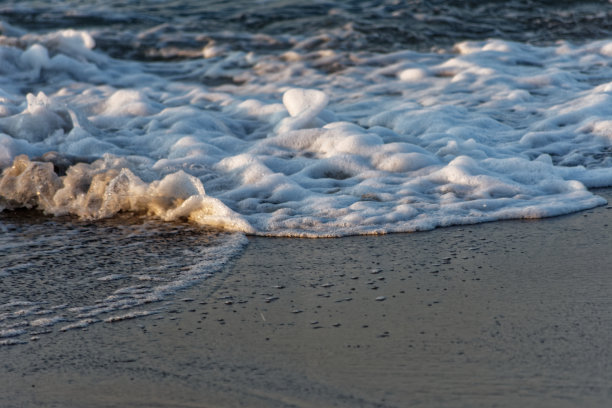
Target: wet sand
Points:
(506, 314)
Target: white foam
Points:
(128, 316)
(105, 188)
(46, 321)
(11, 333)
(112, 277)
(35, 58)
(81, 324)
(394, 142)
(11, 342)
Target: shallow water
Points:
(63, 274)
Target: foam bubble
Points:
(104, 188)
(303, 105)
(35, 58)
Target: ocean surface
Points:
(141, 141)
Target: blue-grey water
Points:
(141, 29)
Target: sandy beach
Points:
(503, 314)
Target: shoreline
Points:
(503, 313)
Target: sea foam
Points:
(304, 143)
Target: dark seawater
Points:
(140, 29)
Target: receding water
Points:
(59, 273)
